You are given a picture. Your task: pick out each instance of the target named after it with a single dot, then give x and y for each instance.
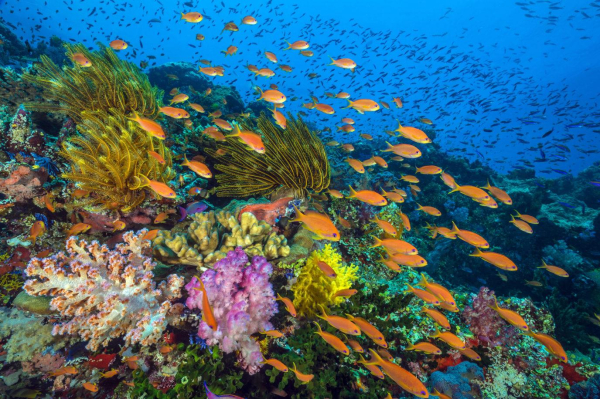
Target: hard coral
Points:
(212, 235)
(314, 288)
(21, 182)
(294, 160)
(106, 294)
(242, 301)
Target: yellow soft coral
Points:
(314, 288)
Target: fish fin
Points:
(410, 347)
(332, 61)
(349, 103)
(324, 313)
(378, 242)
(423, 281)
(455, 227)
(318, 326)
(144, 179)
(352, 193)
(378, 359)
(455, 189)
(476, 253)
(299, 215)
(349, 316)
(420, 206)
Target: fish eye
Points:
(334, 234)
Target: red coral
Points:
(447, 361)
(268, 212)
(569, 370)
(102, 361)
(22, 182)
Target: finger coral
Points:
(242, 300)
(108, 157)
(109, 84)
(314, 288)
(294, 160)
(105, 293)
(212, 235)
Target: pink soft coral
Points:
(243, 302)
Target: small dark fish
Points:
(566, 205)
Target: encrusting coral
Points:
(212, 235)
(294, 160)
(242, 300)
(313, 288)
(108, 157)
(110, 84)
(106, 293)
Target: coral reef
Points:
(269, 212)
(242, 301)
(294, 161)
(21, 182)
(212, 235)
(112, 84)
(105, 294)
(458, 381)
(109, 157)
(313, 288)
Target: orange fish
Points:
(521, 225)
(230, 26)
(373, 369)
(193, 17)
(443, 231)
(363, 105)
(385, 226)
(469, 237)
(408, 260)
(286, 68)
(437, 316)
(355, 346)
(340, 323)
(380, 161)
(344, 63)
(176, 113)
(197, 107)
(118, 225)
(288, 305)
(199, 36)
(280, 120)
(157, 156)
(208, 71)
(198, 167)
(297, 45)
(90, 387)
(249, 20)
(554, 270)
(213, 132)
(271, 56)
(424, 295)
(64, 371)
(159, 188)
(395, 246)
(500, 195)
(495, 259)
(306, 53)
(398, 102)
(153, 128)
(165, 349)
(346, 128)
(470, 353)
(369, 330)
(81, 60)
(441, 395)
(510, 316)
(472, 192)
(277, 364)
(355, 164)
(410, 179)
(413, 134)
(368, 197)
(405, 220)
(326, 269)
(150, 234)
(551, 344)
(79, 193)
(273, 333)
(335, 193)
(110, 373)
(332, 340)
(429, 170)
(403, 150)
(390, 264)
(118, 45)
(346, 293)
(179, 98)
(304, 378)
(37, 229)
(529, 219)
(449, 338)
(326, 109)
(319, 224)
(161, 217)
(78, 229)
(430, 210)
(438, 290)
(400, 376)
(207, 313)
(251, 139)
(448, 180)
(425, 347)
(272, 96)
(231, 50)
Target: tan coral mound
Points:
(211, 235)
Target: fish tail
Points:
(378, 359)
(352, 193)
(324, 313)
(423, 281)
(477, 253)
(518, 214)
(182, 16)
(455, 189)
(318, 326)
(420, 207)
(299, 215)
(455, 227)
(378, 242)
(390, 147)
(384, 193)
(349, 102)
(495, 305)
(410, 347)
(399, 130)
(488, 185)
(350, 317)
(144, 179)
(279, 297)
(436, 333)
(333, 61)
(289, 45)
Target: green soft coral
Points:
(314, 288)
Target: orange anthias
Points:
(332, 340)
(368, 197)
(400, 376)
(207, 313)
(340, 323)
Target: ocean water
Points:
(147, 252)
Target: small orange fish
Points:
(369, 330)
(500, 195)
(469, 237)
(157, 156)
(472, 192)
(197, 108)
(355, 164)
(554, 270)
(437, 290)
(551, 344)
(410, 178)
(470, 353)
(449, 338)
(153, 128)
(521, 225)
(344, 63)
(198, 167)
(194, 190)
(529, 219)
(161, 217)
(424, 295)
(81, 60)
(230, 26)
(78, 229)
(272, 96)
(425, 347)
(319, 224)
(373, 369)
(326, 269)
(534, 283)
(385, 226)
(159, 188)
(345, 293)
(395, 246)
(179, 98)
(510, 316)
(193, 17)
(90, 387)
(430, 210)
(429, 170)
(288, 305)
(118, 45)
(150, 235)
(79, 193)
(332, 340)
(437, 316)
(355, 346)
(448, 180)
(273, 333)
(199, 36)
(249, 20)
(64, 371)
(118, 225)
(277, 364)
(110, 373)
(297, 45)
(413, 134)
(403, 150)
(304, 378)
(165, 349)
(175, 113)
(251, 139)
(368, 197)
(496, 259)
(408, 260)
(340, 323)
(400, 376)
(37, 229)
(398, 102)
(207, 313)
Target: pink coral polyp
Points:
(242, 300)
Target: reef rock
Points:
(21, 182)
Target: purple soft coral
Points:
(243, 302)
(485, 323)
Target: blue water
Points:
(494, 76)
